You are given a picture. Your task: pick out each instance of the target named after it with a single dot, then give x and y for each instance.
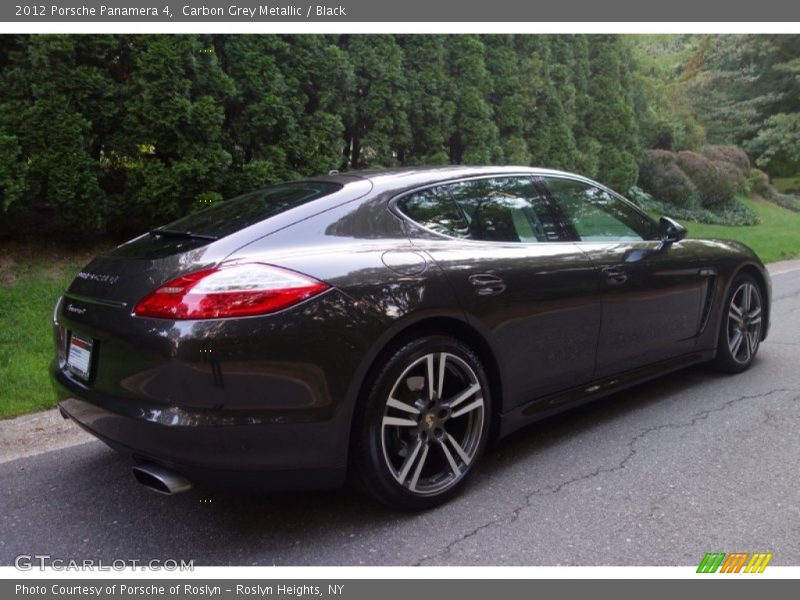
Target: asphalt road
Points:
(657, 475)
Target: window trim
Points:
(552, 208)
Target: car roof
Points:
(400, 177)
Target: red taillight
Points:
(233, 291)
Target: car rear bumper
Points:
(264, 450)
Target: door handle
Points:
(614, 275)
(486, 284)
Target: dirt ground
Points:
(47, 257)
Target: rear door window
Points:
(503, 209)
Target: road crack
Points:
(513, 515)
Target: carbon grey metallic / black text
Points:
(387, 324)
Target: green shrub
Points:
(733, 181)
(12, 171)
(717, 182)
(660, 175)
(736, 213)
(739, 214)
(759, 184)
(787, 201)
(729, 154)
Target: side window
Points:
(434, 208)
(596, 215)
(504, 209)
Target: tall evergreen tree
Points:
(474, 137)
(548, 133)
(376, 124)
(13, 171)
(261, 112)
(175, 126)
(610, 118)
(588, 148)
(59, 105)
(13, 166)
(319, 72)
(123, 131)
(506, 98)
(430, 108)
(728, 78)
(562, 74)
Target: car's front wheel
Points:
(424, 424)
(740, 331)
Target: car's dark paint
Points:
(652, 302)
(276, 394)
(547, 319)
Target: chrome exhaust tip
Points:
(161, 480)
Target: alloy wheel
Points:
(744, 323)
(433, 423)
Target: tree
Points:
(430, 108)
(261, 122)
(320, 74)
(376, 124)
(746, 90)
(777, 144)
(611, 118)
(550, 136)
(506, 98)
(588, 148)
(123, 132)
(174, 127)
(664, 112)
(13, 171)
(50, 84)
(473, 136)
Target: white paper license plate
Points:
(79, 358)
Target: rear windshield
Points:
(242, 211)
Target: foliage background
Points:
(116, 133)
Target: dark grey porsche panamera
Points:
(386, 324)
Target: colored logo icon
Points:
(735, 562)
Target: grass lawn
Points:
(777, 237)
(32, 277)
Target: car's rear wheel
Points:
(740, 333)
(424, 424)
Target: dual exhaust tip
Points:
(161, 480)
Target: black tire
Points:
(415, 467)
(740, 334)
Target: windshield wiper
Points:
(174, 233)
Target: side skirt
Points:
(542, 408)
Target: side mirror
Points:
(671, 231)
